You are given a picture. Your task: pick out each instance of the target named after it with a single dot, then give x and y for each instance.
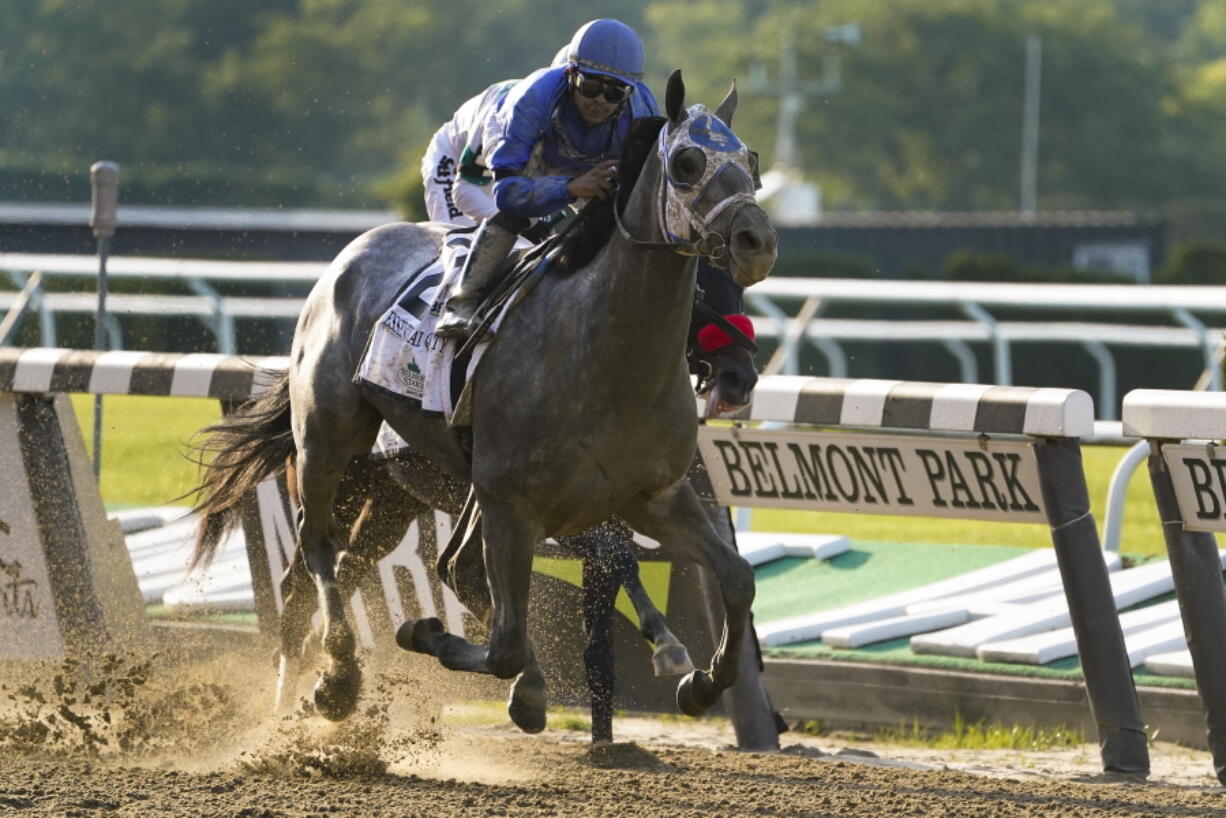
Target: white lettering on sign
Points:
(921, 477)
(1199, 476)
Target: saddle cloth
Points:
(403, 356)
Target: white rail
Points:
(776, 298)
(788, 310)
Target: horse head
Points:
(707, 199)
(721, 343)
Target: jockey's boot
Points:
(491, 244)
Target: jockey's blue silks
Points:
(541, 142)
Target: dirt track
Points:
(200, 746)
(489, 775)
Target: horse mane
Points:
(595, 222)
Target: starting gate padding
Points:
(66, 582)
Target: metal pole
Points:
(104, 204)
(754, 719)
(1030, 123)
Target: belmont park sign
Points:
(979, 479)
(1198, 473)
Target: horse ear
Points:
(674, 97)
(728, 107)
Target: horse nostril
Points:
(746, 241)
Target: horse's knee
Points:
(507, 661)
(339, 639)
(738, 586)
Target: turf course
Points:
(145, 445)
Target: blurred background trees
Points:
(329, 103)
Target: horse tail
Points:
(245, 447)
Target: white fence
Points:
(788, 310)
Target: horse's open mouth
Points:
(717, 406)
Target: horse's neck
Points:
(649, 289)
(644, 292)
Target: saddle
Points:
(404, 359)
(519, 275)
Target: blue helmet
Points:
(608, 47)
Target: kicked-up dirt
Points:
(121, 737)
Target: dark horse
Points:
(380, 496)
(607, 331)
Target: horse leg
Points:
(676, 518)
(506, 554)
(298, 595)
(465, 573)
(599, 593)
(669, 656)
(297, 587)
(320, 469)
(611, 543)
(379, 524)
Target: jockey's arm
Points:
(520, 125)
(529, 198)
(474, 200)
(473, 193)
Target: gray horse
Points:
(607, 332)
(380, 496)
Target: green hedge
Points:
(966, 265)
(1195, 261)
(190, 184)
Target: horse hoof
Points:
(418, 635)
(336, 694)
(526, 707)
(671, 660)
(695, 694)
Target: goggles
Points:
(592, 87)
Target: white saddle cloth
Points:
(404, 357)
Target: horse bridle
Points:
(676, 204)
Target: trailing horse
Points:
(607, 332)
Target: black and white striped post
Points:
(103, 218)
(82, 592)
(985, 444)
(1189, 482)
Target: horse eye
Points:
(687, 165)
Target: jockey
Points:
(457, 186)
(454, 174)
(555, 139)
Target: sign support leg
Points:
(1096, 625)
(1197, 572)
